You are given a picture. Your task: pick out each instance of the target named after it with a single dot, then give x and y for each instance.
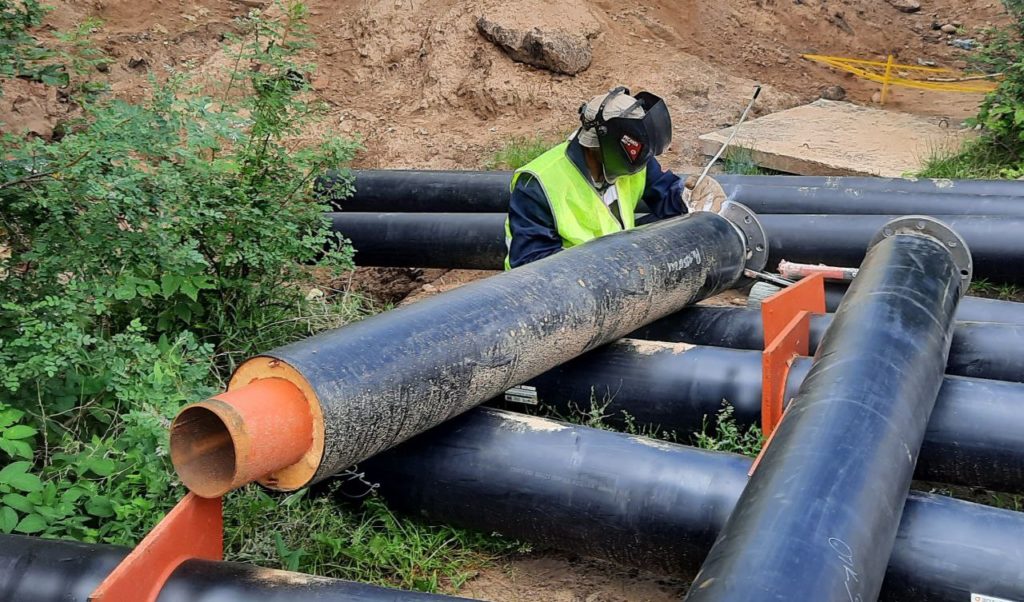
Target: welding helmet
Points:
(628, 143)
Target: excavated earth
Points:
(423, 88)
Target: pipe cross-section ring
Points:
(923, 225)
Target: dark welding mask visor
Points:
(628, 144)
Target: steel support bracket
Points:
(194, 528)
(786, 319)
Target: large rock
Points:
(544, 36)
(906, 6)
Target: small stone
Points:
(833, 93)
(948, 28)
(964, 43)
(905, 6)
(876, 98)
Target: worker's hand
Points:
(706, 196)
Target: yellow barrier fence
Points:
(888, 72)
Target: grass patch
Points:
(1006, 501)
(726, 436)
(518, 152)
(363, 542)
(974, 160)
(740, 161)
(991, 290)
(718, 433)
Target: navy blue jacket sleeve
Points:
(534, 234)
(663, 193)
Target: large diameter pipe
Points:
(415, 191)
(819, 517)
(45, 570)
(473, 241)
(973, 437)
(451, 240)
(971, 309)
(899, 185)
(422, 190)
(996, 246)
(375, 383)
(979, 350)
(858, 201)
(657, 505)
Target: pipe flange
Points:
(754, 236)
(923, 225)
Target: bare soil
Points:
(423, 89)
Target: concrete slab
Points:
(829, 138)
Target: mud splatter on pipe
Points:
(373, 384)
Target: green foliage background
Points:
(999, 151)
(142, 255)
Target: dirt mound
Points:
(429, 64)
(425, 89)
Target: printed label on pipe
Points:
(522, 394)
(983, 598)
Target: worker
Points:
(590, 185)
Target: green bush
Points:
(999, 151)
(1002, 111)
(141, 256)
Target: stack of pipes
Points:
(454, 219)
(906, 383)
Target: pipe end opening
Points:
(203, 452)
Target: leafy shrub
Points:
(140, 256)
(1002, 111)
(998, 152)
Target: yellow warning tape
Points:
(870, 70)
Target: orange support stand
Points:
(779, 309)
(192, 529)
(786, 319)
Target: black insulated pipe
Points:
(979, 350)
(996, 245)
(44, 570)
(857, 201)
(899, 185)
(442, 240)
(657, 505)
(971, 309)
(477, 241)
(384, 379)
(819, 516)
(973, 437)
(414, 191)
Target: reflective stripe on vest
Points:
(579, 211)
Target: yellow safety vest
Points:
(579, 211)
